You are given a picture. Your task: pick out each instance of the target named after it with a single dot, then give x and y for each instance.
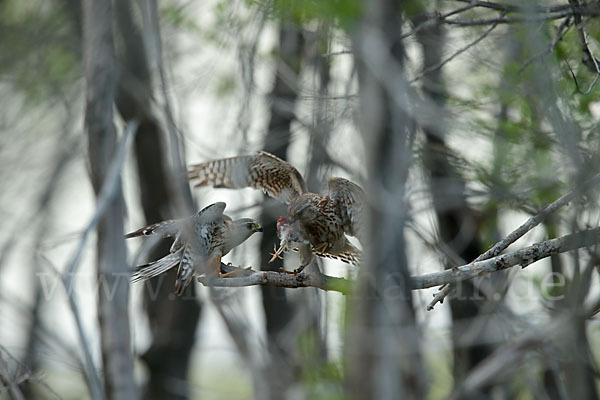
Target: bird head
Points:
(242, 229)
(249, 225)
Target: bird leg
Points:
(235, 271)
(321, 247)
(277, 252)
(294, 272)
(305, 263)
(213, 268)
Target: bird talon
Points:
(228, 274)
(294, 272)
(285, 271)
(321, 247)
(277, 253)
(300, 269)
(235, 271)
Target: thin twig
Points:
(529, 9)
(183, 202)
(12, 382)
(508, 20)
(456, 54)
(433, 20)
(589, 60)
(336, 53)
(91, 374)
(109, 189)
(561, 32)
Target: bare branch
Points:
(585, 9)
(456, 54)
(538, 218)
(522, 230)
(10, 381)
(242, 277)
(560, 33)
(91, 375)
(523, 257)
(506, 20)
(589, 60)
(107, 193)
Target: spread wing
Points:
(211, 213)
(351, 200)
(274, 176)
(164, 229)
(174, 227)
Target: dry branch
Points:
(589, 60)
(523, 257)
(432, 68)
(247, 277)
(241, 277)
(522, 230)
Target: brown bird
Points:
(315, 223)
(200, 242)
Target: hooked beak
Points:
(258, 228)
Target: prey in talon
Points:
(287, 235)
(200, 242)
(291, 236)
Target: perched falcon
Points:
(316, 224)
(200, 242)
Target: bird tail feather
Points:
(349, 255)
(155, 268)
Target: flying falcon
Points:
(200, 242)
(316, 224)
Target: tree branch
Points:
(560, 33)
(242, 277)
(523, 257)
(456, 53)
(522, 230)
(589, 60)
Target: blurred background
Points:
(460, 119)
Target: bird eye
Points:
(249, 225)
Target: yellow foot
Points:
(321, 247)
(294, 272)
(285, 271)
(276, 253)
(235, 271)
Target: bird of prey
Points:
(200, 242)
(316, 224)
